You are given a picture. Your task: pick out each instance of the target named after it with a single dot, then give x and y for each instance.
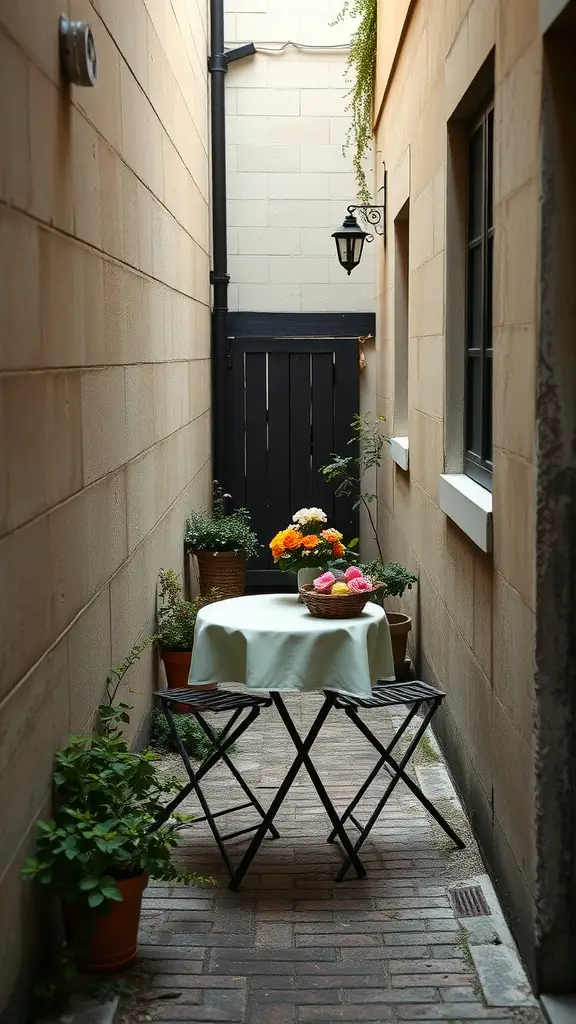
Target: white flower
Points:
(310, 515)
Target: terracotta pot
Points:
(224, 570)
(113, 938)
(177, 668)
(400, 626)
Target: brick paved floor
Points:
(292, 946)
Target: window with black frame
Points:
(478, 400)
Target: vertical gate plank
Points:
(278, 441)
(346, 405)
(322, 429)
(257, 447)
(300, 410)
(237, 430)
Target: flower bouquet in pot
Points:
(308, 545)
(101, 845)
(222, 541)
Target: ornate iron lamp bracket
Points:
(373, 216)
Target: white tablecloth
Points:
(271, 642)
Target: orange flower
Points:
(311, 541)
(338, 549)
(292, 540)
(277, 546)
(331, 535)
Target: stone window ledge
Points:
(400, 451)
(469, 505)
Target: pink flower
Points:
(323, 583)
(353, 573)
(359, 585)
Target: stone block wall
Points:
(474, 612)
(104, 377)
(288, 182)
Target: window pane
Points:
(475, 179)
(489, 168)
(474, 406)
(475, 297)
(358, 246)
(488, 408)
(489, 258)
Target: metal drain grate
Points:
(469, 901)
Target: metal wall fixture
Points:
(350, 237)
(77, 52)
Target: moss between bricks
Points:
(427, 752)
(462, 940)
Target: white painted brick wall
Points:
(288, 182)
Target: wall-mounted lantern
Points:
(350, 240)
(350, 237)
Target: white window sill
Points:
(399, 451)
(469, 505)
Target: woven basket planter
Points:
(224, 570)
(334, 606)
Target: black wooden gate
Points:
(293, 388)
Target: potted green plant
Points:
(176, 623)
(396, 580)
(347, 472)
(100, 847)
(222, 541)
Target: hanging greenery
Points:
(361, 67)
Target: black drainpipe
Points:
(218, 66)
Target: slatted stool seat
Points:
(245, 709)
(415, 696)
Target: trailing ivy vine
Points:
(361, 67)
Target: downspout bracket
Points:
(218, 62)
(219, 278)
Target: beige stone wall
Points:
(289, 182)
(474, 613)
(104, 382)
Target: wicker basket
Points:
(335, 606)
(224, 570)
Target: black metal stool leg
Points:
(374, 773)
(397, 770)
(208, 762)
(239, 779)
(396, 775)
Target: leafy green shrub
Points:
(195, 741)
(395, 577)
(176, 617)
(218, 531)
(107, 799)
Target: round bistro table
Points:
(272, 644)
